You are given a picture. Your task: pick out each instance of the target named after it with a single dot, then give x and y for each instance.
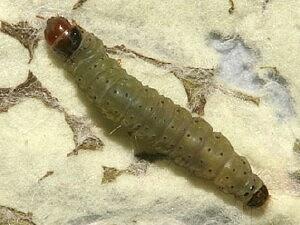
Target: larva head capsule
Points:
(62, 36)
(259, 197)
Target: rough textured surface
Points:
(256, 37)
(24, 33)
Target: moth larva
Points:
(156, 123)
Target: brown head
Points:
(259, 197)
(62, 36)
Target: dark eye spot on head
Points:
(68, 43)
(259, 197)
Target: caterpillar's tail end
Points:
(259, 198)
(56, 27)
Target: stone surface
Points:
(254, 48)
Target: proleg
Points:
(157, 125)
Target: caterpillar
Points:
(157, 124)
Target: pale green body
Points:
(157, 124)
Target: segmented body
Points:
(156, 123)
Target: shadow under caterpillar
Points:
(157, 124)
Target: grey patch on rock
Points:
(280, 98)
(280, 220)
(84, 220)
(237, 68)
(273, 74)
(162, 211)
(208, 216)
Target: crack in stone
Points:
(78, 4)
(32, 88)
(24, 33)
(48, 173)
(11, 216)
(83, 136)
(232, 7)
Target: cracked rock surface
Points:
(236, 63)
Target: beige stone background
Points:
(254, 50)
